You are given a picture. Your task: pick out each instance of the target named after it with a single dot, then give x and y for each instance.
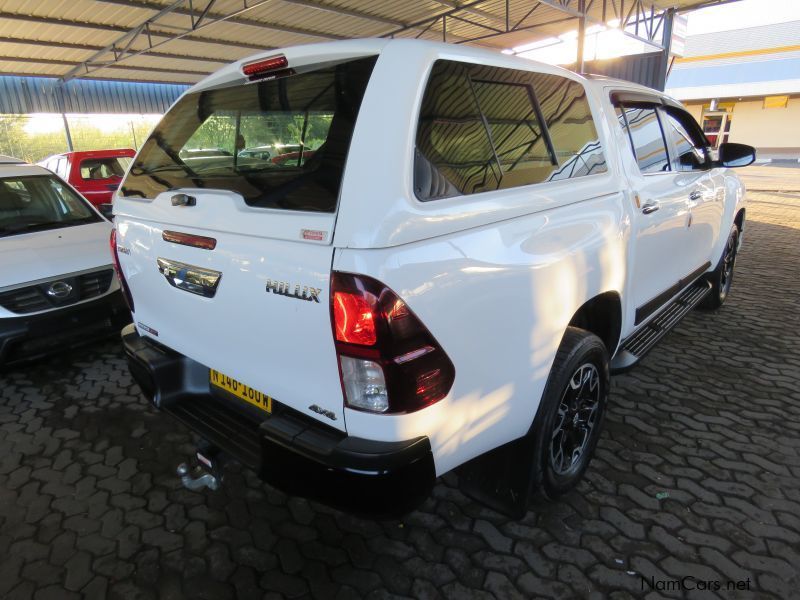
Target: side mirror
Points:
(736, 155)
(107, 210)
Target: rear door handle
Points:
(650, 207)
(695, 195)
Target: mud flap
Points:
(502, 478)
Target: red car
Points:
(282, 159)
(96, 174)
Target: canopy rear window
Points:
(280, 143)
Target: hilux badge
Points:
(284, 288)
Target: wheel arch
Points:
(602, 316)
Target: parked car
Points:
(277, 153)
(96, 174)
(292, 158)
(57, 284)
(204, 153)
(478, 242)
(257, 152)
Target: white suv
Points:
(57, 284)
(444, 272)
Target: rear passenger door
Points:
(661, 256)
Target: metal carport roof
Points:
(180, 41)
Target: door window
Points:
(686, 141)
(61, 167)
(104, 168)
(647, 139)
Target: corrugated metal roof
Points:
(644, 69)
(19, 95)
(31, 31)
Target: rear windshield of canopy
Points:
(280, 143)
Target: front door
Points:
(660, 255)
(703, 186)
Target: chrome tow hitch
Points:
(196, 483)
(207, 472)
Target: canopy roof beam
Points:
(37, 20)
(71, 63)
(120, 49)
(640, 16)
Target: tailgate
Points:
(267, 323)
(256, 166)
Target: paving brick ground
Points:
(697, 474)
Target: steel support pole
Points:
(63, 110)
(581, 35)
(669, 15)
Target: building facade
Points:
(744, 86)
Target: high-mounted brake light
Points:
(126, 292)
(274, 63)
(188, 239)
(388, 360)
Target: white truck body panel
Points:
(495, 276)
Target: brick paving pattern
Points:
(697, 473)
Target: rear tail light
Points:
(388, 360)
(126, 292)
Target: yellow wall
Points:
(766, 127)
(696, 110)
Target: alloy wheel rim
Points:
(575, 419)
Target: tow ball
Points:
(206, 473)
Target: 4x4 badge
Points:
(284, 288)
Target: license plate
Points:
(240, 390)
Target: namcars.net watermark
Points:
(690, 583)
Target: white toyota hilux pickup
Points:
(356, 266)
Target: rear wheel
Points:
(570, 417)
(721, 278)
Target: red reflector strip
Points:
(262, 66)
(187, 239)
(408, 356)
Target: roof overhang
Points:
(182, 41)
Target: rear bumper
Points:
(287, 449)
(27, 338)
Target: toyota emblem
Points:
(59, 289)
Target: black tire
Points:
(569, 415)
(721, 278)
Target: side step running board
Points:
(635, 347)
